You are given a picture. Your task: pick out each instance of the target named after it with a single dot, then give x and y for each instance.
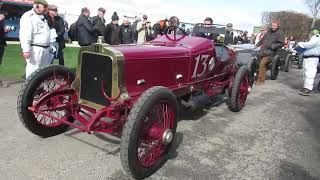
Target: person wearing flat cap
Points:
(229, 36)
(35, 37)
(112, 32)
(56, 22)
(100, 22)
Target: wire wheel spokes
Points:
(151, 145)
(49, 107)
(50, 84)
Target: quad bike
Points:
(293, 58)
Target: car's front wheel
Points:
(149, 132)
(36, 88)
(240, 90)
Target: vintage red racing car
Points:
(133, 91)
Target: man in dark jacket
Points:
(126, 32)
(112, 33)
(86, 31)
(2, 32)
(100, 22)
(271, 42)
(57, 23)
(208, 22)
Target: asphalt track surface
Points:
(276, 136)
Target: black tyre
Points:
(275, 67)
(300, 62)
(288, 63)
(148, 132)
(240, 90)
(36, 86)
(252, 66)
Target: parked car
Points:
(133, 91)
(247, 54)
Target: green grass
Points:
(13, 64)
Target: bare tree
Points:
(291, 23)
(314, 7)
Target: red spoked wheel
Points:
(149, 132)
(156, 134)
(240, 90)
(37, 104)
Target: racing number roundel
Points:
(202, 65)
(211, 64)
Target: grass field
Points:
(13, 64)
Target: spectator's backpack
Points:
(72, 33)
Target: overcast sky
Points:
(244, 14)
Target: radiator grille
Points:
(95, 69)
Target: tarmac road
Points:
(276, 136)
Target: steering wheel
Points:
(174, 29)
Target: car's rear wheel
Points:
(240, 90)
(288, 63)
(39, 84)
(275, 67)
(149, 132)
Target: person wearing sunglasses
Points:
(35, 37)
(208, 22)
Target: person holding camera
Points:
(35, 37)
(142, 29)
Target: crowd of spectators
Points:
(86, 29)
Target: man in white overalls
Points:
(35, 37)
(310, 62)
